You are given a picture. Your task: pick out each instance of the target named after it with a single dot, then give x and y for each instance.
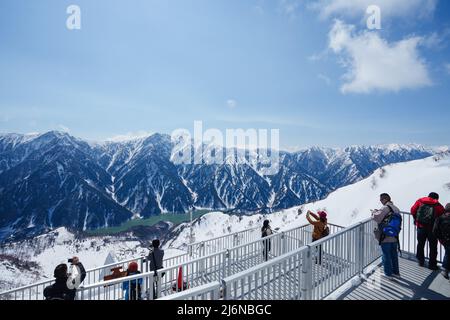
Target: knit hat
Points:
(133, 267)
(322, 214)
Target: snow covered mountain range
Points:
(55, 180)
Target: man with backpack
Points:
(66, 281)
(389, 222)
(425, 211)
(441, 231)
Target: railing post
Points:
(227, 263)
(283, 243)
(203, 249)
(360, 240)
(306, 283)
(235, 240)
(224, 290)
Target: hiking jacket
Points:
(379, 216)
(159, 256)
(438, 209)
(59, 291)
(319, 226)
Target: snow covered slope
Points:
(405, 182)
(30, 261)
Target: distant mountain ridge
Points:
(53, 179)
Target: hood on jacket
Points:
(428, 200)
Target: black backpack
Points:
(443, 229)
(326, 232)
(425, 214)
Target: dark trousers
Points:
(266, 249)
(390, 258)
(424, 235)
(446, 263)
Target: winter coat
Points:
(438, 209)
(379, 216)
(126, 287)
(265, 232)
(319, 226)
(159, 257)
(60, 291)
(444, 239)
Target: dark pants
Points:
(390, 258)
(266, 249)
(424, 234)
(446, 263)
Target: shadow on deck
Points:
(416, 283)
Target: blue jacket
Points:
(126, 287)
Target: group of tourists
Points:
(68, 279)
(430, 217)
(433, 226)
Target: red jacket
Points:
(438, 209)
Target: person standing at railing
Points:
(441, 231)
(66, 283)
(132, 288)
(156, 257)
(321, 228)
(425, 211)
(266, 231)
(387, 233)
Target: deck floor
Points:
(416, 283)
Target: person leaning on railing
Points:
(441, 231)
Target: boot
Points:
(445, 274)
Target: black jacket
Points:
(59, 290)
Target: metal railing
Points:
(408, 238)
(285, 265)
(140, 286)
(205, 247)
(318, 269)
(210, 291)
(94, 275)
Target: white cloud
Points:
(374, 64)
(389, 8)
(63, 128)
(130, 136)
(231, 103)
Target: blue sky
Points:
(309, 68)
